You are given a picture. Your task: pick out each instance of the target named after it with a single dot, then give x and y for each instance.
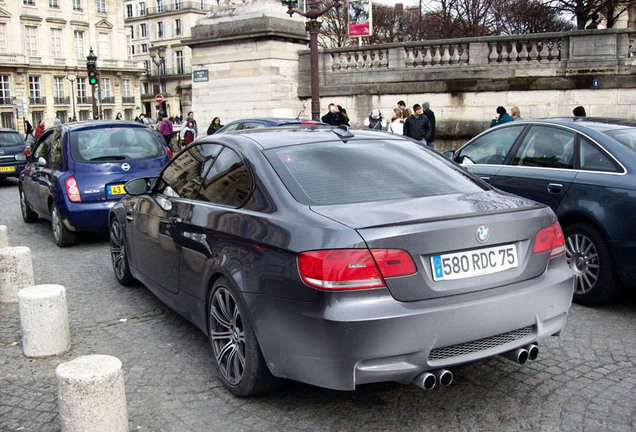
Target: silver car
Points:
(338, 258)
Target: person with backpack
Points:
(188, 133)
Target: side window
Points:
(546, 146)
(185, 173)
(55, 155)
(592, 158)
(490, 148)
(229, 181)
(252, 125)
(233, 127)
(43, 147)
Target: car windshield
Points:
(339, 173)
(114, 144)
(624, 136)
(10, 139)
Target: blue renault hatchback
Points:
(76, 172)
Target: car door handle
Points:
(555, 187)
(174, 221)
(485, 178)
(129, 217)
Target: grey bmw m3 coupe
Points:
(340, 257)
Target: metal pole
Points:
(315, 80)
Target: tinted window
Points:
(339, 173)
(592, 158)
(228, 182)
(43, 146)
(55, 154)
(115, 144)
(10, 139)
(490, 148)
(625, 136)
(252, 125)
(232, 127)
(184, 175)
(545, 146)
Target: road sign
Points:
(159, 98)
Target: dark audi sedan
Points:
(12, 158)
(338, 258)
(263, 122)
(585, 170)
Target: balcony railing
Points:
(84, 100)
(183, 6)
(108, 100)
(128, 99)
(169, 72)
(61, 100)
(5, 101)
(37, 100)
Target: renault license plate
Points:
(477, 262)
(116, 190)
(7, 169)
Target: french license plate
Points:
(461, 265)
(116, 189)
(7, 169)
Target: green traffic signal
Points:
(92, 81)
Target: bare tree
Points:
(613, 9)
(524, 17)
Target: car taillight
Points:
(72, 190)
(169, 152)
(353, 269)
(550, 239)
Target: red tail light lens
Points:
(550, 239)
(352, 269)
(72, 190)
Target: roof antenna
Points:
(301, 111)
(343, 132)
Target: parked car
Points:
(12, 158)
(339, 258)
(257, 123)
(585, 170)
(77, 171)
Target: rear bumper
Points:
(87, 216)
(15, 172)
(370, 337)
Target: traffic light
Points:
(92, 73)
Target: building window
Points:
(144, 48)
(104, 45)
(5, 90)
(108, 114)
(146, 65)
(146, 89)
(58, 90)
(77, 5)
(54, 4)
(160, 30)
(142, 8)
(3, 38)
(159, 6)
(178, 4)
(31, 40)
(179, 60)
(129, 46)
(78, 41)
(129, 11)
(84, 115)
(61, 115)
(101, 6)
(128, 114)
(143, 30)
(178, 29)
(126, 91)
(35, 90)
(7, 120)
(28, 2)
(56, 43)
(105, 88)
(81, 91)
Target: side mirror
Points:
(41, 161)
(138, 186)
(449, 154)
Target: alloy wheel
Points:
(117, 250)
(227, 335)
(56, 224)
(583, 259)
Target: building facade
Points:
(155, 31)
(44, 46)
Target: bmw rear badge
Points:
(483, 234)
(1, 152)
(125, 166)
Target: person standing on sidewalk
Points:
(190, 119)
(426, 110)
(165, 129)
(418, 126)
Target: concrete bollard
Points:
(44, 320)
(91, 395)
(16, 272)
(4, 238)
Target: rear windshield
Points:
(625, 136)
(115, 144)
(361, 171)
(10, 139)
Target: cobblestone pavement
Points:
(583, 381)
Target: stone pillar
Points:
(91, 395)
(44, 320)
(16, 272)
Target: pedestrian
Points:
(405, 111)
(188, 133)
(119, 116)
(165, 129)
(426, 110)
(70, 119)
(515, 113)
(336, 116)
(375, 120)
(190, 119)
(418, 126)
(593, 25)
(28, 130)
(39, 129)
(215, 125)
(397, 122)
(579, 111)
(501, 117)
(57, 121)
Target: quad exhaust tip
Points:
(428, 380)
(522, 355)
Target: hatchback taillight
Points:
(72, 190)
(353, 269)
(550, 239)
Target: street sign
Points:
(159, 98)
(200, 75)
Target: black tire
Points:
(588, 254)
(119, 256)
(28, 215)
(63, 237)
(238, 359)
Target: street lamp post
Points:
(72, 78)
(313, 26)
(158, 57)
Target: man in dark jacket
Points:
(426, 110)
(335, 116)
(418, 126)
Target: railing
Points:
(84, 100)
(37, 100)
(5, 101)
(128, 99)
(529, 49)
(448, 54)
(169, 72)
(108, 100)
(181, 6)
(61, 100)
